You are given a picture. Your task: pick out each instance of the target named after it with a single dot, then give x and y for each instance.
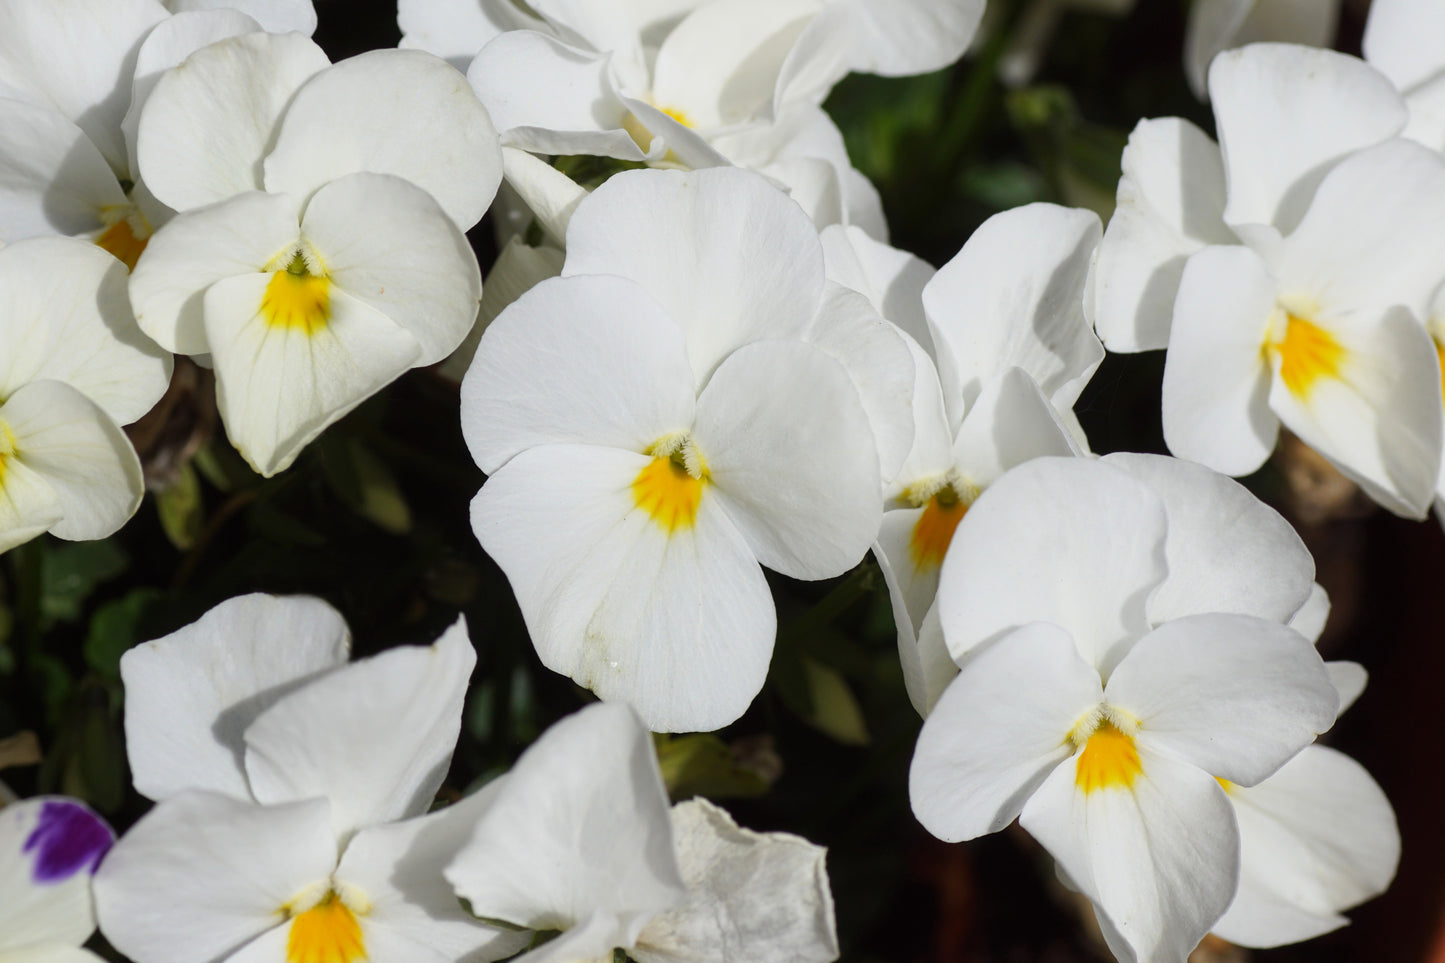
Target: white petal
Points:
(398, 866)
(1401, 40)
(28, 505)
(457, 29)
(1010, 423)
(274, 16)
(1310, 618)
(86, 76)
(1216, 377)
(1014, 297)
(790, 453)
(1316, 838)
(1349, 680)
(65, 315)
(172, 41)
(1232, 694)
(277, 388)
(1065, 540)
(591, 360)
(53, 180)
(1000, 728)
(1170, 204)
(912, 37)
(1379, 421)
(518, 268)
(198, 248)
(201, 874)
(83, 457)
(550, 97)
(192, 153)
(927, 665)
(679, 625)
(1216, 25)
(1159, 863)
(932, 451)
(375, 737)
(761, 896)
(580, 827)
(1227, 551)
(1285, 114)
(387, 243)
(551, 195)
(49, 847)
(191, 695)
(893, 280)
(401, 112)
(727, 255)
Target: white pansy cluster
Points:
(706, 366)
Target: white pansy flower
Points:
(291, 789)
(49, 848)
(73, 368)
(689, 401)
(1103, 692)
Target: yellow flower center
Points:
(297, 298)
(670, 487)
(1306, 353)
(326, 933)
(1110, 759)
(944, 501)
(122, 240)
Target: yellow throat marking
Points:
(669, 488)
(326, 933)
(296, 298)
(1306, 353)
(1110, 759)
(7, 448)
(123, 241)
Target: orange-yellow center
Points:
(326, 933)
(297, 299)
(120, 240)
(1307, 353)
(1110, 760)
(7, 448)
(1440, 353)
(934, 529)
(666, 491)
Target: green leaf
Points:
(701, 764)
(820, 696)
(365, 484)
(182, 510)
(70, 571)
(113, 630)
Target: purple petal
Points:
(67, 838)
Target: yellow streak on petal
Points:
(1307, 353)
(7, 448)
(326, 933)
(666, 491)
(1110, 760)
(1225, 784)
(933, 532)
(120, 240)
(1440, 353)
(300, 301)
(676, 115)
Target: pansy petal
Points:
(375, 737)
(28, 505)
(87, 75)
(387, 243)
(1349, 680)
(1014, 297)
(551, 195)
(676, 621)
(932, 452)
(592, 777)
(274, 16)
(1310, 618)
(728, 256)
(591, 360)
(192, 154)
(279, 386)
(49, 847)
(1218, 25)
(192, 694)
(1065, 540)
(1317, 837)
(1377, 417)
(807, 515)
(898, 39)
(84, 458)
(891, 279)
(518, 268)
(1227, 551)
(1159, 862)
(172, 41)
(401, 112)
(457, 29)
(198, 248)
(1402, 40)
(1285, 114)
(1010, 423)
(201, 875)
(1216, 377)
(1232, 694)
(65, 315)
(764, 896)
(549, 97)
(971, 776)
(1170, 204)
(53, 180)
